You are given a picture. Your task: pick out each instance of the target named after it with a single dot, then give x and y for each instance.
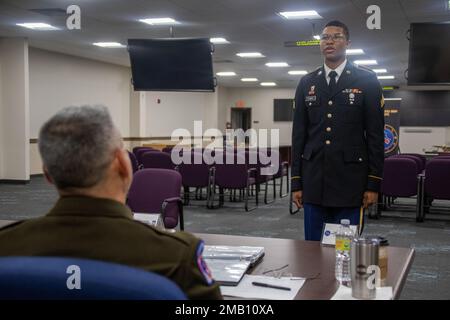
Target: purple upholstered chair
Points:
(133, 161)
(157, 191)
(253, 160)
(401, 179)
(152, 159)
(422, 158)
(437, 181)
(167, 149)
(196, 175)
(237, 176)
(419, 162)
(283, 171)
(140, 151)
(136, 149)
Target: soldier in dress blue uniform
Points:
(337, 138)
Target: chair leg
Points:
(208, 195)
(221, 197)
(274, 189)
(211, 198)
(181, 218)
(246, 197)
(266, 187)
(281, 186)
(287, 184)
(420, 212)
(379, 205)
(383, 203)
(186, 196)
(283, 195)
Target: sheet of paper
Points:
(345, 293)
(153, 219)
(246, 289)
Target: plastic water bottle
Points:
(344, 237)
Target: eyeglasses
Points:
(280, 273)
(334, 37)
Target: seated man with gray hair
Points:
(84, 157)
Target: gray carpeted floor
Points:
(429, 277)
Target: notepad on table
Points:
(240, 253)
(228, 264)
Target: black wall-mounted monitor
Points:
(171, 64)
(429, 54)
(283, 109)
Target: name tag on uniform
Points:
(310, 98)
(329, 233)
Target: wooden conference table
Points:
(309, 258)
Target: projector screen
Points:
(171, 64)
(429, 54)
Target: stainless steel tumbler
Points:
(363, 264)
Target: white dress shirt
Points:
(338, 70)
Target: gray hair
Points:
(77, 145)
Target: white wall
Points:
(2, 147)
(58, 80)
(14, 110)
(418, 139)
(223, 108)
(179, 110)
(260, 100)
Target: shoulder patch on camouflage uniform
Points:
(202, 266)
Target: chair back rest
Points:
(150, 188)
(161, 160)
(437, 178)
(194, 174)
(141, 151)
(134, 162)
(419, 163)
(57, 278)
(399, 177)
(231, 175)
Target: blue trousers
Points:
(316, 216)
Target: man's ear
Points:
(124, 163)
(47, 176)
(349, 43)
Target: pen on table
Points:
(266, 285)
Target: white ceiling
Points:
(249, 25)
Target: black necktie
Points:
(332, 84)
